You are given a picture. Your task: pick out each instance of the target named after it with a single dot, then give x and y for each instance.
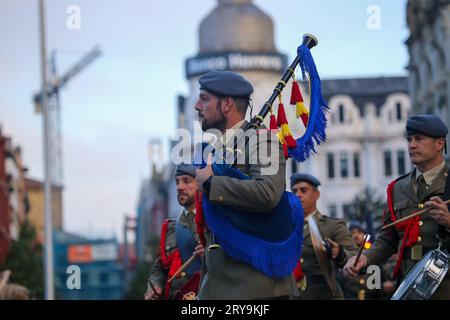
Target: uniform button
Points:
(301, 260)
(419, 239)
(167, 248)
(420, 223)
(220, 198)
(420, 205)
(361, 281)
(183, 274)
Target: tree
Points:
(367, 208)
(24, 260)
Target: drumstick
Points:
(184, 266)
(366, 236)
(412, 215)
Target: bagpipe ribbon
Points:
(315, 119)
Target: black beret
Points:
(427, 124)
(226, 84)
(185, 169)
(356, 225)
(298, 177)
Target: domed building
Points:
(236, 35)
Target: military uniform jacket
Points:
(222, 276)
(158, 274)
(405, 202)
(337, 231)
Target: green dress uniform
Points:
(227, 278)
(316, 287)
(405, 201)
(159, 274)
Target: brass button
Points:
(420, 205)
(361, 281)
(419, 239)
(420, 223)
(301, 260)
(183, 274)
(220, 198)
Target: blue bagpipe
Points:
(270, 242)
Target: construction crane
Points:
(53, 87)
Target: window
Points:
(387, 164)
(344, 165)
(341, 113)
(330, 164)
(349, 211)
(104, 278)
(398, 108)
(84, 279)
(401, 162)
(356, 164)
(332, 210)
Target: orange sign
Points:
(79, 254)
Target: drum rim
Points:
(414, 275)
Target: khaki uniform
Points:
(316, 286)
(405, 202)
(227, 278)
(158, 274)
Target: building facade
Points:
(365, 146)
(100, 270)
(429, 56)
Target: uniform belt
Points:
(315, 279)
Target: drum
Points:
(424, 278)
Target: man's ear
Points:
(317, 194)
(441, 143)
(227, 104)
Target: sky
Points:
(127, 96)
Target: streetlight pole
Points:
(48, 255)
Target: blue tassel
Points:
(275, 258)
(317, 123)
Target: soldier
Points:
(222, 105)
(178, 242)
(422, 187)
(317, 264)
(356, 288)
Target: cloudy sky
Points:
(114, 107)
